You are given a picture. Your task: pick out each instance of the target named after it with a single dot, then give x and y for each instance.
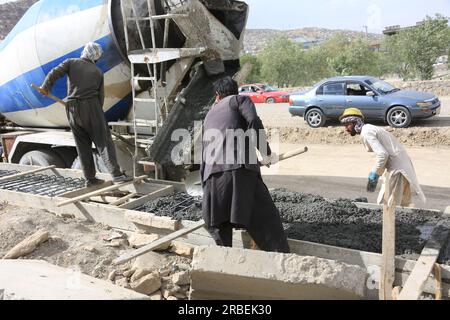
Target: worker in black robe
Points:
(235, 195)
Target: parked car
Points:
(262, 93)
(377, 99)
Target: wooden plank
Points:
(18, 175)
(165, 191)
(139, 252)
(375, 206)
(388, 242)
(124, 199)
(79, 192)
(99, 192)
(424, 266)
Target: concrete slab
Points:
(39, 280)
(238, 274)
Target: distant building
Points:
(393, 30)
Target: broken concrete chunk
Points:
(182, 249)
(181, 278)
(28, 245)
(123, 282)
(157, 296)
(171, 298)
(128, 273)
(89, 249)
(138, 274)
(138, 240)
(180, 295)
(164, 272)
(230, 273)
(169, 289)
(149, 220)
(184, 266)
(117, 243)
(112, 275)
(148, 284)
(150, 261)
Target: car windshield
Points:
(382, 86)
(268, 88)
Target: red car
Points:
(261, 93)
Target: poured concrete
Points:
(39, 280)
(238, 274)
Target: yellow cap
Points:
(351, 112)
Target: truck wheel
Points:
(42, 158)
(99, 164)
(315, 118)
(67, 154)
(399, 117)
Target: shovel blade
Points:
(193, 184)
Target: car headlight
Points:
(425, 104)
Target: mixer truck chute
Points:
(200, 42)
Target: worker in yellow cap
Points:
(391, 160)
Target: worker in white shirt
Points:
(391, 160)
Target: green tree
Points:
(255, 74)
(282, 63)
(415, 50)
(357, 58)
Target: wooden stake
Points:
(438, 278)
(387, 276)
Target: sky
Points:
(341, 14)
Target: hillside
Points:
(256, 39)
(10, 13)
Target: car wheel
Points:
(315, 118)
(270, 100)
(399, 117)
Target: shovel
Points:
(54, 98)
(193, 180)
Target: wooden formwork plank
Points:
(124, 199)
(100, 213)
(424, 266)
(100, 191)
(164, 191)
(177, 234)
(25, 173)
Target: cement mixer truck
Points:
(190, 44)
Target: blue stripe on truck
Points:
(17, 95)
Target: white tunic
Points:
(391, 156)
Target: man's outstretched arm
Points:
(56, 73)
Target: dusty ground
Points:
(81, 246)
(433, 132)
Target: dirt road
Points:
(341, 171)
(433, 132)
(277, 115)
